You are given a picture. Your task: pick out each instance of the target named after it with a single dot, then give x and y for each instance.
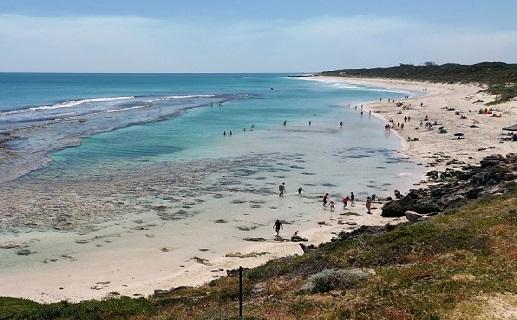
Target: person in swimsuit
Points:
(281, 189)
(325, 199)
(352, 198)
(368, 205)
(277, 227)
(345, 201)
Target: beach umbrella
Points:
(511, 128)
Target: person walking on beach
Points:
(281, 189)
(352, 198)
(345, 201)
(325, 199)
(277, 227)
(368, 205)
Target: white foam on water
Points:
(125, 109)
(73, 103)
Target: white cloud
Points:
(125, 44)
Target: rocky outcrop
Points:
(494, 175)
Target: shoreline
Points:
(200, 271)
(432, 148)
(61, 280)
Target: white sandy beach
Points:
(142, 273)
(465, 99)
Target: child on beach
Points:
(332, 205)
(277, 227)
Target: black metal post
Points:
(240, 292)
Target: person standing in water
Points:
(277, 227)
(310, 122)
(325, 199)
(341, 124)
(285, 122)
(281, 189)
(300, 191)
(352, 198)
(224, 133)
(332, 205)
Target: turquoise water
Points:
(259, 101)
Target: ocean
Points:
(109, 167)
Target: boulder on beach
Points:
(415, 200)
(455, 187)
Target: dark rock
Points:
(23, 252)
(457, 186)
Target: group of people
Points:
(345, 200)
(243, 129)
(331, 203)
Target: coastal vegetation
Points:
(456, 265)
(499, 78)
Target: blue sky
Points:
(250, 36)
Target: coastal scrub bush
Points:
(332, 279)
(119, 308)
